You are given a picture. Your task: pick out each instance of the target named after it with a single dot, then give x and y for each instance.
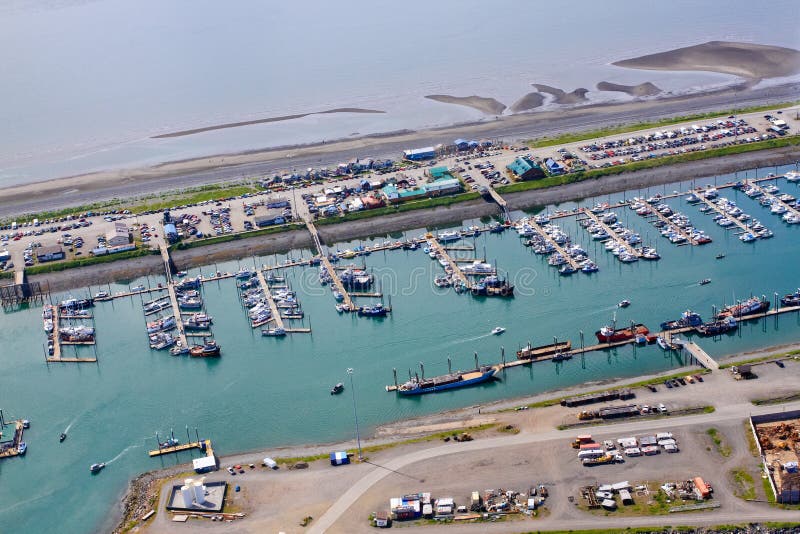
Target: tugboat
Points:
(62, 437)
(96, 468)
(338, 388)
(209, 348)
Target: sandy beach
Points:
(183, 133)
(642, 89)
(748, 60)
(562, 97)
(131, 183)
(490, 106)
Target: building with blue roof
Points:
(525, 169)
(554, 167)
(418, 154)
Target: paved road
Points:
(724, 414)
(508, 128)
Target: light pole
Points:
(355, 413)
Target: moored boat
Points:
(460, 379)
(747, 307)
(530, 352)
(792, 299)
(609, 334)
(376, 310)
(273, 332)
(688, 318)
(209, 348)
(717, 328)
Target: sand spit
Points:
(193, 131)
(527, 102)
(643, 89)
(577, 96)
(490, 106)
(748, 60)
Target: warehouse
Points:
(525, 169)
(418, 154)
(52, 253)
(272, 217)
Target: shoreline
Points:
(394, 433)
(386, 224)
(133, 182)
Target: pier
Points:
(434, 244)
(614, 235)
(337, 282)
(722, 212)
(11, 448)
(58, 356)
(572, 263)
(202, 444)
(176, 311)
(276, 316)
(698, 354)
(671, 225)
(774, 199)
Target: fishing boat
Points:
(624, 303)
(338, 388)
(161, 325)
(717, 328)
(273, 332)
(530, 352)
(445, 237)
(497, 330)
(135, 289)
(609, 334)
(747, 307)
(179, 349)
(376, 310)
(687, 319)
(704, 281)
(209, 348)
(792, 299)
(96, 468)
(190, 303)
(417, 386)
(561, 357)
(198, 321)
(62, 437)
(102, 295)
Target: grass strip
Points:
(89, 260)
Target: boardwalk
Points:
(500, 202)
(614, 235)
(435, 245)
(337, 282)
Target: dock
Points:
(539, 230)
(57, 356)
(276, 316)
(698, 354)
(337, 282)
(202, 444)
(774, 199)
(12, 448)
(671, 225)
(500, 202)
(435, 245)
(56, 337)
(176, 311)
(614, 235)
(722, 212)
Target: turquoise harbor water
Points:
(268, 392)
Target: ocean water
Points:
(266, 392)
(86, 83)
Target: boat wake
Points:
(117, 457)
(26, 501)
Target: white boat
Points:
(497, 330)
(444, 237)
(273, 332)
(624, 303)
(792, 176)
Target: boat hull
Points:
(622, 334)
(484, 377)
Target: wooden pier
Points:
(698, 354)
(176, 311)
(689, 239)
(775, 200)
(58, 356)
(13, 449)
(435, 245)
(276, 316)
(614, 235)
(337, 282)
(722, 212)
(184, 447)
(539, 230)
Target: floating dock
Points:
(204, 444)
(614, 235)
(337, 282)
(276, 316)
(774, 199)
(11, 448)
(539, 230)
(712, 205)
(689, 239)
(434, 244)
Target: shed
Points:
(382, 519)
(339, 458)
(619, 486)
(277, 202)
(553, 167)
(50, 253)
(625, 497)
(170, 231)
(609, 504)
(273, 216)
(204, 464)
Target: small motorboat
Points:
(96, 468)
(171, 442)
(624, 303)
(181, 274)
(705, 281)
(22, 448)
(338, 388)
(62, 437)
(720, 256)
(134, 289)
(497, 330)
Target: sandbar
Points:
(748, 60)
(193, 131)
(560, 96)
(490, 106)
(527, 102)
(642, 89)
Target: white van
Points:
(269, 462)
